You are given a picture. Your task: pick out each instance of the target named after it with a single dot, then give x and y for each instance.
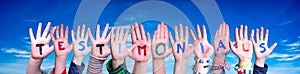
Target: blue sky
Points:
(280, 16)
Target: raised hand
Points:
(80, 45)
(62, 48)
(243, 48)
(118, 47)
(40, 49)
(160, 43)
(261, 49)
(221, 47)
(142, 52)
(202, 49)
(181, 49)
(100, 45)
(40, 45)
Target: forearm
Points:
(33, 66)
(140, 68)
(260, 62)
(159, 66)
(180, 67)
(95, 65)
(60, 64)
(218, 61)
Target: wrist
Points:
(60, 64)
(140, 68)
(260, 62)
(158, 66)
(219, 59)
(77, 60)
(116, 63)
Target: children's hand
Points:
(40, 45)
(61, 46)
(142, 52)
(100, 45)
(243, 48)
(221, 40)
(80, 45)
(261, 49)
(160, 46)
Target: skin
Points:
(118, 40)
(160, 36)
(181, 57)
(100, 40)
(80, 36)
(36, 59)
(244, 46)
(220, 56)
(208, 49)
(138, 38)
(61, 55)
(261, 57)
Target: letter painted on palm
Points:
(202, 47)
(100, 47)
(81, 44)
(262, 46)
(179, 47)
(245, 48)
(120, 48)
(40, 47)
(60, 43)
(221, 45)
(140, 48)
(161, 53)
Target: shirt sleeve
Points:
(120, 70)
(95, 65)
(260, 70)
(76, 69)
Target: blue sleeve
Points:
(260, 70)
(76, 69)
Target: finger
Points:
(198, 31)
(98, 32)
(186, 33)
(171, 38)
(232, 47)
(91, 35)
(217, 34)
(227, 30)
(86, 35)
(148, 37)
(131, 47)
(261, 33)
(121, 34)
(31, 35)
(48, 51)
(181, 31)
(117, 34)
(169, 51)
(223, 29)
(267, 35)
(236, 34)
(143, 32)
(204, 32)
(108, 36)
(61, 30)
(133, 36)
(78, 32)
(251, 37)
(158, 31)
(38, 34)
(220, 29)
(57, 32)
(52, 32)
(72, 35)
(176, 33)
(137, 31)
(193, 36)
(46, 30)
(161, 36)
(241, 32)
(82, 31)
(154, 36)
(246, 32)
(166, 32)
(257, 35)
(126, 36)
(48, 38)
(273, 47)
(67, 32)
(105, 31)
(112, 35)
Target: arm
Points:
(100, 50)
(141, 54)
(160, 49)
(262, 51)
(203, 50)
(62, 49)
(181, 50)
(119, 49)
(221, 48)
(243, 49)
(80, 50)
(40, 49)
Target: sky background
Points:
(281, 17)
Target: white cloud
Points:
(289, 59)
(284, 40)
(286, 22)
(276, 55)
(295, 44)
(284, 57)
(23, 56)
(17, 52)
(299, 37)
